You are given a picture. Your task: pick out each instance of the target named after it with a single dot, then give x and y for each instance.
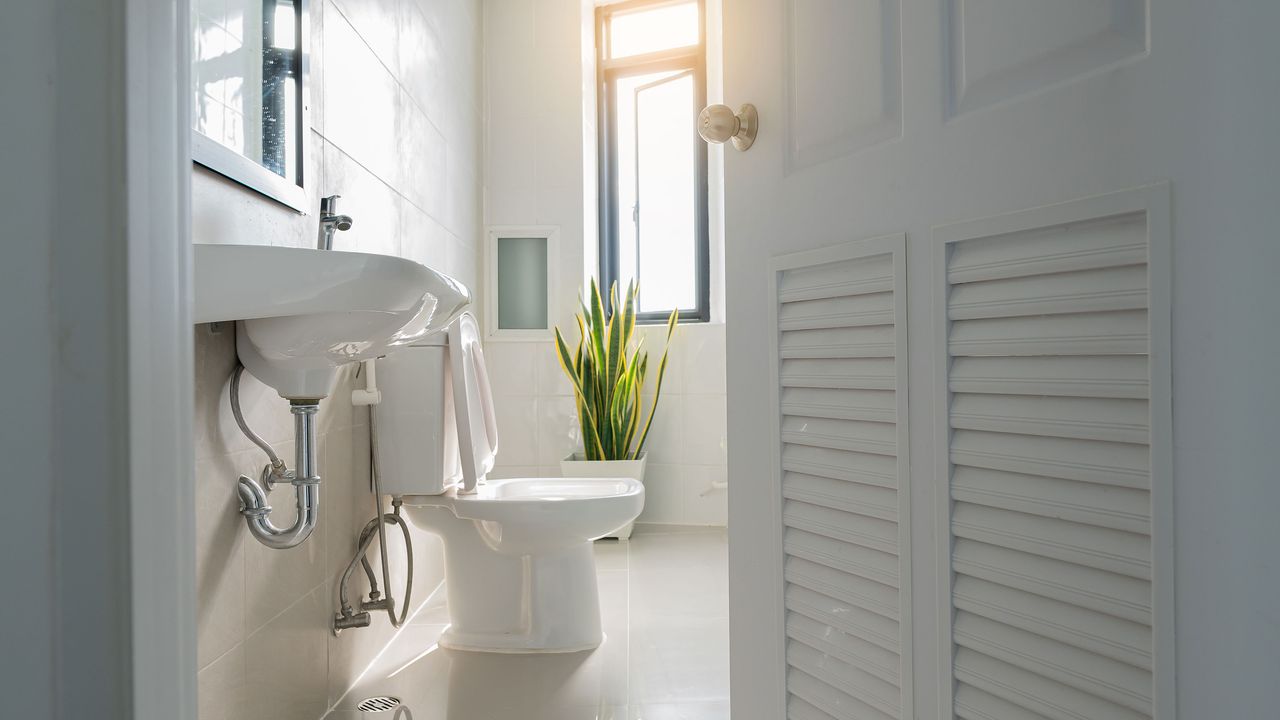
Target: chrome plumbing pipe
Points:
(278, 469)
(304, 478)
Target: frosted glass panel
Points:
(522, 283)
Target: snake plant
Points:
(608, 376)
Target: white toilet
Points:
(519, 567)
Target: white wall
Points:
(396, 118)
(539, 158)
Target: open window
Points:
(653, 166)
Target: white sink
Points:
(302, 313)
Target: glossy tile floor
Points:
(664, 601)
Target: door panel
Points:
(842, 56)
(880, 117)
(1000, 49)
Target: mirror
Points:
(250, 99)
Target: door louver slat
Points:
(840, 399)
(1048, 340)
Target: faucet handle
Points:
(329, 205)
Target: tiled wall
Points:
(396, 117)
(539, 95)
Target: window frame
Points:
(691, 58)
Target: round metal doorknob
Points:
(719, 124)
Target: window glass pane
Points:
(651, 30)
(625, 103)
(666, 172)
(522, 283)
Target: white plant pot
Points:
(574, 466)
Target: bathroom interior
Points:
(640, 359)
(426, 132)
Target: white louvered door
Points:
(840, 357)
(1034, 581)
(1047, 327)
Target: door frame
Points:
(156, 41)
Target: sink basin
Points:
(302, 313)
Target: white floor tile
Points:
(664, 607)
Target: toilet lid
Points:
(472, 402)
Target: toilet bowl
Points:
(519, 568)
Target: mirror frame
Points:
(236, 167)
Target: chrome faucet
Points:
(331, 222)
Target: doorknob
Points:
(719, 124)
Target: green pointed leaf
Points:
(657, 390)
(597, 326)
(562, 353)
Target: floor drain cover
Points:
(382, 703)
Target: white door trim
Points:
(1154, 201)
(161, 483)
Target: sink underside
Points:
(302, 313)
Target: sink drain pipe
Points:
(304, 478)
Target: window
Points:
(653, 165)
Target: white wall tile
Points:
(702, 358)
(706, 443)
(356, 81)
(286, 663)
(558, 431)
(655, 342)
(705, 505)
(422, 63)
(665, 442)
(518, 431)
(464, 263)
(511, 368)
(346, 501)
(551, 380)
(506, 472)
(422, 239)
(422, 158)
(316, 64)
(220, 563)
(663, 497)
(222, 688)
(377, 22)
(374, 206)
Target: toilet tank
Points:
(417, 443)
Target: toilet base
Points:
(542, 602)
(558, 610)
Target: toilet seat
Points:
(527, 515)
